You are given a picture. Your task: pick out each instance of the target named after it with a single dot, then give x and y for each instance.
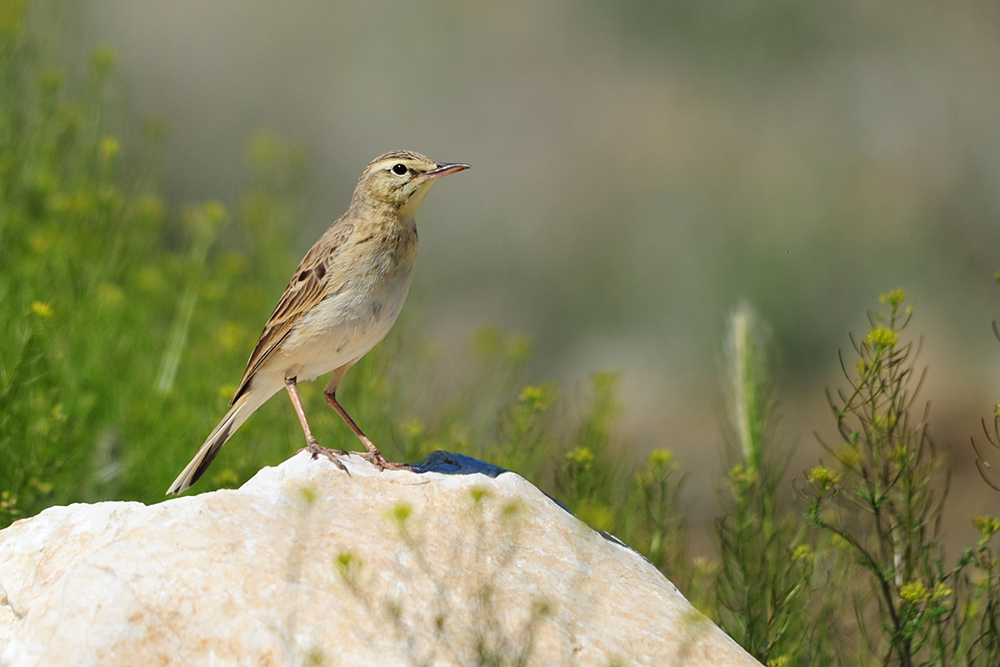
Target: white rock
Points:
(305, 565)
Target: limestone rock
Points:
(459, 564)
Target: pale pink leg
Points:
(312, 445)
(373, 454)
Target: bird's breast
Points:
(370, 279)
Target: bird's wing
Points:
(309, 284)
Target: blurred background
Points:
(638, 169)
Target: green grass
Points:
(125, 321)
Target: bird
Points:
(342, 300)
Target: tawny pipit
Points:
(341, 301)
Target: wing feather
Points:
(310, 283)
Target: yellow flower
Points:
(104, 59)
(42, 310)
(914, 592)
(581, 457)
(347, 563)
(108, 148)
(893, 298)
(660, 458)
(823, 477)
(940, 592)
(215, 212)
(479, 494)
(399, 513)
(742, 478)
(987, 526)
(537, 397)
(803, 552)
(882, 337)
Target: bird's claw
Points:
(380, 462)
(316, 449)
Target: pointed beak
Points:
(443, 169)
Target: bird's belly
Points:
(342, 328)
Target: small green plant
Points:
(992, 432)
(658, 528)
(589, 467)
(883, 501)
(983, 584)
(765, 562)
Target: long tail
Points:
(241, 410)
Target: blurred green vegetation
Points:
(107, 359)
(124, 325)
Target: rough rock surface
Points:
(459, 564)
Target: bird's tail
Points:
(238, 414)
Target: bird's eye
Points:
(399, 169)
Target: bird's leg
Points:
(312, 446)
(373, 454)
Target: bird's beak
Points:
(444, 169)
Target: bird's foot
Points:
(375, 457)
(316, 449)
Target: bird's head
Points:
(399, 180)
